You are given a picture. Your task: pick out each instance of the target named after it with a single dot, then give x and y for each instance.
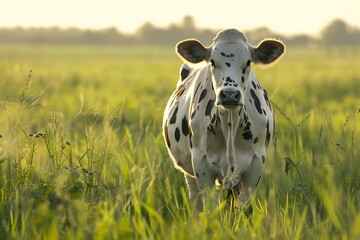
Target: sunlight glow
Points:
(288, 17)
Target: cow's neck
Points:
(232, 119)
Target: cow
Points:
(218, 123)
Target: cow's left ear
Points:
(268, 51)
(192, 51)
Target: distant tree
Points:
(188, 23)
(256, 35)
(301, 40)
(355, 38)
(336, 33)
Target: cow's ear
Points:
(192, 51)
(268, 51)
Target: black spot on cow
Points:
(166, 133)
(177, 134)
(228, 79)
(232, 168)
(246, 117)
(209, 106)
(228, 64)
(243, 70)
(229, 124)
(185, 126)
(190, 140)
(253, 84)
(211, 129)
(256, 140)
(242, 79)
(197, 88)
(263, 159)
(173, 116)
(248, 63)
(257, 183)
(197, 175)
(184, 73)
(232, 55)
(213, 119)
(223, 54)
(264, 112)
(256, 101)
(193, 114)
(267, 99)
(247, 134)
(202, 95)
(268, 135)
(204, 174)
(218, 120)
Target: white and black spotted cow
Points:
(218, 123)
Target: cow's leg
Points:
(203, 174)
(194, 194)
(251, 179)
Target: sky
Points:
(283, 16)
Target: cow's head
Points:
(229, 58)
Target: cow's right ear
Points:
(192, 51)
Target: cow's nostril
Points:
(237, 96)
(223, 96)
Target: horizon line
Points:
(168, 26)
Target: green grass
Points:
(82, 155)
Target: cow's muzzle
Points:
(229, 98)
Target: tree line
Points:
(336, 33)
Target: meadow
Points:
(82, 154)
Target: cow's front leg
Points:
(204, 175)
(251, 179)
(194, 194)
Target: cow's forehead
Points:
(231, 51)
(231, 44)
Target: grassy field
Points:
(82, 155)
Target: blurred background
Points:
(159, 22)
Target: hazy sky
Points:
(285, 16)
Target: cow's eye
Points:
(212, 63)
